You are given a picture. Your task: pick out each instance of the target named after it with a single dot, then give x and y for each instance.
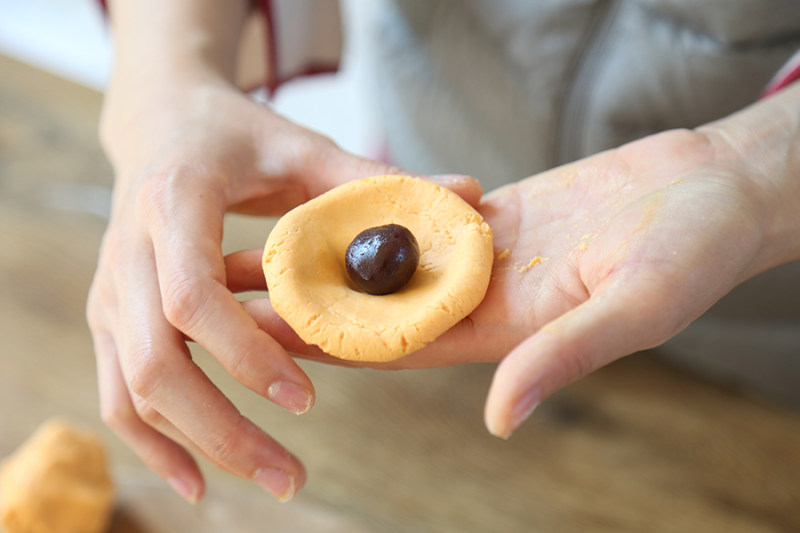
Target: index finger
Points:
(185, 218)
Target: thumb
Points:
(602, 329)
(339, 166)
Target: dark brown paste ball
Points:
(383, 259)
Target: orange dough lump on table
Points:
(304, 264)
(56, 482)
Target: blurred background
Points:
(65, 37)
(70, 39)
(637, 446)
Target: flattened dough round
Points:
(310, 289)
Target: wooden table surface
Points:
(637, 446)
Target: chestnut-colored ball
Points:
(383, 259)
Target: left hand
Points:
(609, 255)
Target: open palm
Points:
(594, 260)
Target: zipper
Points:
(587, 65)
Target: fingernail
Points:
(449, 179)
(277, 482)
(522, 410)
(185, 489)
(291, 396)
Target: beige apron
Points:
(503, 89)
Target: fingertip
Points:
(504, 422)
(465, 186)
(278, 482)
(495, 415)
(189, 490)
(517, 389)
(291, 396)
(282, 482)
(243, 271)
(494, 423)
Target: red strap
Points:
(785, 76)
(274, 76)
(272, 82)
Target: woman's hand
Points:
(162, 279)
(596, 260)
(188, 147)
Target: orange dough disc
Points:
(304, 264)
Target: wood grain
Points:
(637, 446)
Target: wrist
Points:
(153, 40)
(761, 143)
(166, 56)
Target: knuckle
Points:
(93, 313)
(308, 148)
(146, 412)
(162, 190)
(184, 302)
(145, 373)
(394, 170)
(115, 245)
(242, 366)
(579, 366)
(226, 447)
(117, 415)
(302, 150)
(99, 302)
(159, 192)
(150, 199)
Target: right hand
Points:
(180, 165)
(605, 256)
